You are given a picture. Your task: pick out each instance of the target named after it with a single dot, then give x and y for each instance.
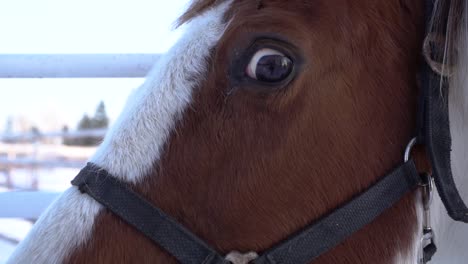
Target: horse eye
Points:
(268, 65)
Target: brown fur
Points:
(245, 170)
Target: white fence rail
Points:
(30, 205)
(76, 65)
(36, 163)
(45, 156)
(59, 134)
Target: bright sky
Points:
(79, 26)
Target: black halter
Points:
(321, 236)
(302, 247)
(433, 128)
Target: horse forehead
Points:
(150, 115)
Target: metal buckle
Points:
(427, 245)
(428, 236)
(235, 257)
(408, 149)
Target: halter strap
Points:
(303, 247)
(146, 218)
(433, 129)
(333, 229)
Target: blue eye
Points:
(268, 65)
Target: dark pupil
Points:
(273, 68)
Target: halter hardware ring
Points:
(235, 257)
(427, 243)
(427, 184)
(408, 149)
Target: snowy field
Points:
(14, 230)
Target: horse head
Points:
(264, 117)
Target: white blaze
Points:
(133, 144)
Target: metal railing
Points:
(76, 65)
(11, 157)
(29, 205)
(31, 136)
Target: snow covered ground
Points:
(6, 249)
(12, 230)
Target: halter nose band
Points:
(301, 248)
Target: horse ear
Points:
(196, 8)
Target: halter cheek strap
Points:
(300, 248)
(433, 125)
(146, 218)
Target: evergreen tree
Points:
(66, 140)
(100, 119)
(85, 123)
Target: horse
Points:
(268, 115)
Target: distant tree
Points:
(100, 119)
(35, 130)
(9, 125)
(66, 140)
(35, 136)
(8, 129)
(85, 123)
